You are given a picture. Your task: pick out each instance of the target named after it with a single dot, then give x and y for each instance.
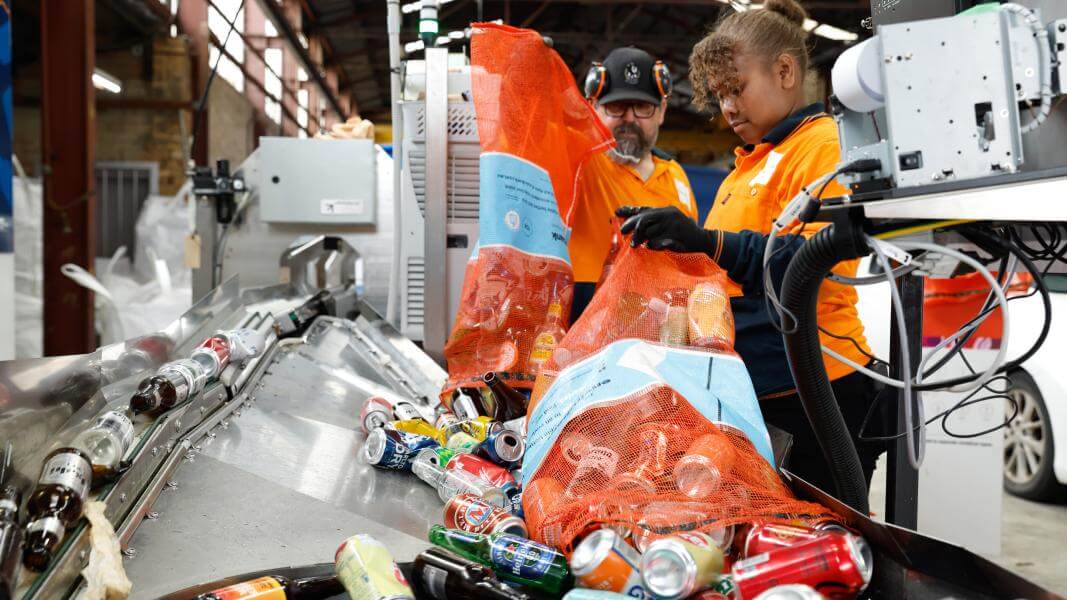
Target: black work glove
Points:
(666, 229)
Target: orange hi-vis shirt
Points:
(800, 150)
(603, 186)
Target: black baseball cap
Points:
(630, 77)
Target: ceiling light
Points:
(102, 80)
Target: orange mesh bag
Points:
(646, 421)
(535, 131)
(676, 299)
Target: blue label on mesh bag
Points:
(716, 385)
(518, 207)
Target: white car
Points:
(1033, 468)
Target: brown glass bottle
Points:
(507, 402)
(443, 575)
(10, 541)
(55, 504)
(169, 387)
(277, 587)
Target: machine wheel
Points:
(1029, 449)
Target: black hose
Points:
(800, 291)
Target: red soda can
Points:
(220, 346)
(834, 564)
(479, 467)
(794, 591)
(376, 412)
(474, 515)
(764, 537)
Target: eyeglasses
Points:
(642, 110)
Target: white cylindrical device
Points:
(857, 77)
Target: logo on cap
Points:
(631, 74)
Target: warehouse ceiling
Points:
(355, 32)
(120, 24)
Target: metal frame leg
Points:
(902, 481)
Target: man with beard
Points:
(629, 91)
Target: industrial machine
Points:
(961, 101)
(438, 194)
(952, 134)
(287, 193)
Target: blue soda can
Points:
(394, 450)
(515, 502)
(504, 447)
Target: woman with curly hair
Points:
(752, 67)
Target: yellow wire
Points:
(921, 228)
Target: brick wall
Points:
(151, 119)
(231, 123)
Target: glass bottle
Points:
(271, 587)
(106, 443)
(609, 261)
(507, 402)
(443, 575)
(10, 540)
(55, 504)
(296, 321)
(450, 483)
(548, 337)
(514, 559)
(173, 384)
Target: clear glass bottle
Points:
(106, 443)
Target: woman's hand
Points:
(666, 229)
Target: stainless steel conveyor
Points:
(259, 471)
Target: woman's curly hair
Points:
(777, 28)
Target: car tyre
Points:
(1029, 448)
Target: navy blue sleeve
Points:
(742, 258)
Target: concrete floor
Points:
(1032, 536)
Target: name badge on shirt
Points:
(764, 176)
(683, 193)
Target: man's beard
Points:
(630, 149)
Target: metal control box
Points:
(316, 181)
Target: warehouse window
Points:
(302, 99)
(269, 29)
(218, 20)
(273, 83)
(173, 4)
